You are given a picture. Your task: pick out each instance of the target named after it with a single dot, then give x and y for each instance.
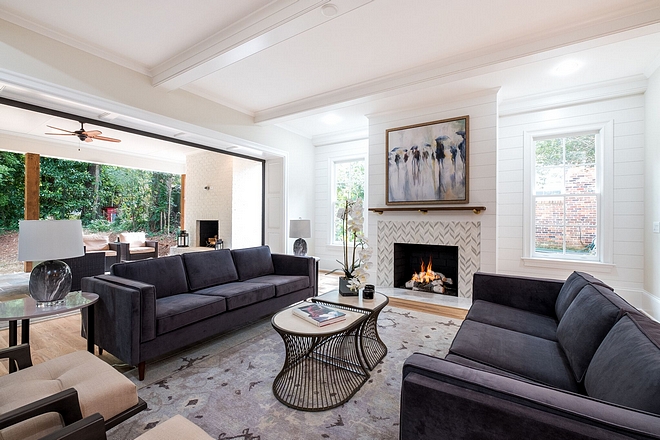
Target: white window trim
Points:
(331, 166)
(606, 188)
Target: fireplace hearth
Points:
(426, 267)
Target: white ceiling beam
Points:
(487, 60)
(277, 22)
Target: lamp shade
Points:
(41, 240)
(300, 228)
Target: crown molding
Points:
(574, 96)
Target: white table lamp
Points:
(300, 229)
(47, 241)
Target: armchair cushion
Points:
(134, 239)
(100, 389)
(96, 242)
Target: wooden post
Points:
(32, 178)
(182, 202)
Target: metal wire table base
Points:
(320, 372)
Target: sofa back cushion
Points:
(167, 274)
(585, 324)
(209, 268)
(96, 242)
(134, 239)
(253, 262)
(571, 288)
(626, 367)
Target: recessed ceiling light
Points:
(329, 10)
(567, 67)
(331, 119)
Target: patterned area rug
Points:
(224, 386)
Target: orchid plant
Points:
(356, 249)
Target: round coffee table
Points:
(323, 367)
(372, 348)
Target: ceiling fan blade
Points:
(103, 138)
(88, 139)
(57, 128)
(92, 133)
(61, 134)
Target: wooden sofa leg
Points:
(142, 366)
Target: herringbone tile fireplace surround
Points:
(465, 235)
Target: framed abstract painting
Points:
(428, 163)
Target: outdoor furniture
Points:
(323, 368)
(66, 404)
(100, 389)
(139, 248)
(90, 264)
(101, 244)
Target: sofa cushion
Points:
(513, 319)
(253, 262)
(585, 324)
(240, 294)
(626, 367)
(167, 274)
(134, 239)
(210, 268)
(571, 288)
(178, 311)
(284, 284)
(534, 358)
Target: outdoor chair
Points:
(66, 405)
(89, 265)
(139, 248)
(98, 386)
(100, 243)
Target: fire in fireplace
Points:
(429, 268)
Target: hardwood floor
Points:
(61, 335)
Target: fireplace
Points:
(434, 267)
(206, 229)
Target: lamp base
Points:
(50, 282)
(300, 247)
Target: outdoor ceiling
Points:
(292, 63)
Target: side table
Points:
(323, 368)
(26, 308)
(372, 348)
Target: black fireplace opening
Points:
(206, 229)
(426, 267)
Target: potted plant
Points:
(356, 250)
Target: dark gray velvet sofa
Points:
(539, 359)
(149, 308)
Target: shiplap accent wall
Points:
(322, 226)
(627, 114)
(482, 160)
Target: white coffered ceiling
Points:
(292, 62)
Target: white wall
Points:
(246, 204)
(482, 158)
(627, 114)
(652, 196)
(323, 215)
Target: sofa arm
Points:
(294, 265)
(441, 399)
(536, 295)
(124, 316)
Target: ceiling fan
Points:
(85, 136)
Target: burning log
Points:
(428, 280)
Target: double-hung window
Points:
(568, 199)
(348, 182)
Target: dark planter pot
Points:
(344, 290)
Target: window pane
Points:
(581, 240)
(581, 149)
(349, 185)
(581, 179)
(549, 152)
(549, 181)
(549, 211)
(549, 239)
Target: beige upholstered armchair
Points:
(99, 388)
(139, 248)
(100, 243)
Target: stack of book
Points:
(319, 314)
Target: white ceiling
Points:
(288, 62)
